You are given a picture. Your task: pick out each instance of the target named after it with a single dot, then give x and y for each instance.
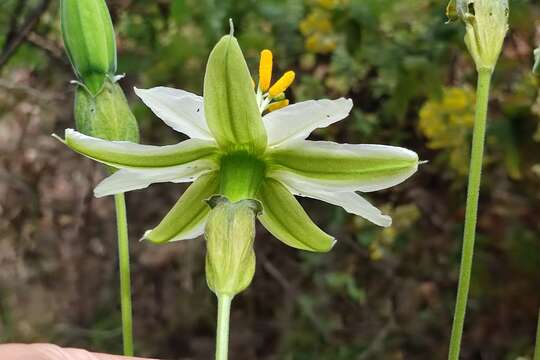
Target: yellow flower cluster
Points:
(447, 123)
(404, 217)
(331, 4)
(317, 27)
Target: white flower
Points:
(240, 155)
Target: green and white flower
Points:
(241, 149)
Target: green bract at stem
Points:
(230, 258)
(106, 115)
(471, 211)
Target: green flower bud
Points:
(486, 24)
(230, 232)
(89, 40)
(106, 115)
(536, 68)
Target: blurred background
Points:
(381, 293)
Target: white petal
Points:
(298, 120)
(349, 201)
(181, 110)
(193, 233)
(125, 180)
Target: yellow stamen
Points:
(265, 70)
(278, 105)
(279, 97)
(282, 84)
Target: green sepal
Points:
(89, 39)
(106, 115)
(230, 234)
(128, 155)
(229, 100)
(284, 217)
(188, 216)
(349, 167)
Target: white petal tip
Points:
(423, 162)
(386, 221)
(333, 244)
(138, 91)
(99, 195)
(58, 138)
(145, 236)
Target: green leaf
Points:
(124, 154)
(284, 217)
(89, 40)
(229, 100)
(187, 218)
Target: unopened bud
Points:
(89, 40)
(106, 115)
(230, 233)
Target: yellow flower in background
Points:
(318, 31)
(447, 123)
(404, 218)
(331, 4)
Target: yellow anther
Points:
(279, 97)
(265, 70)
(278, 105)
(282, 84)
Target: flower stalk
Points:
(102, 111)
(222, 335)
(471, 211)
(486, 25)
(125, 273)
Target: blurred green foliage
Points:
(384, 294)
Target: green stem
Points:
(473, 191)
(222, 336)
(537, 348)
(125, 281)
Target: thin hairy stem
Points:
(125, 280)
(471, 211)
(222, 336)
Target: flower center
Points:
(271, 97)
(241, 174)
